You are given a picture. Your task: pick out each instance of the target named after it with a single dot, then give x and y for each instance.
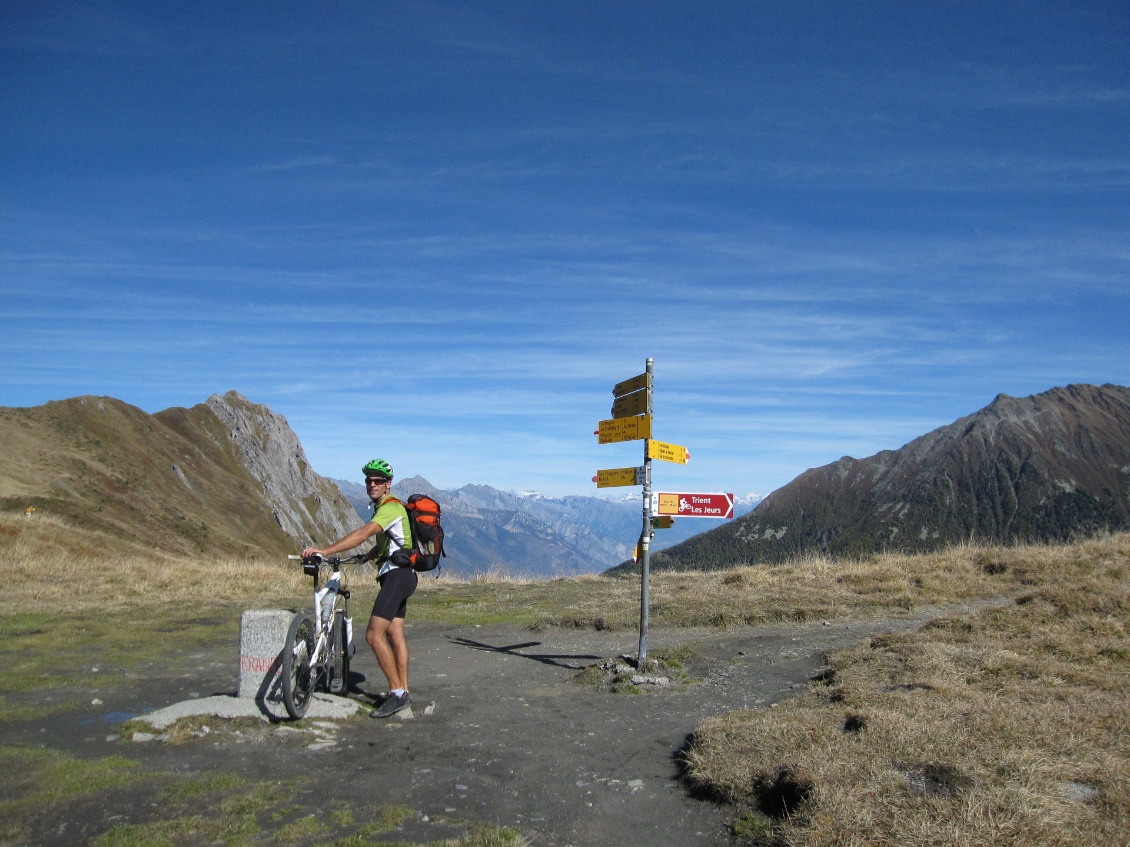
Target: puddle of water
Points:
(116, 717)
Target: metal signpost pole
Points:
(645, 536)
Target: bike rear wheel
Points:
(297, 676)
(339, 655)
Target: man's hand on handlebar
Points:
(315, 555)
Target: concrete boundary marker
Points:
(262, 634)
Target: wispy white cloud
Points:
(453, 230)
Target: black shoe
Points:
(391, 705)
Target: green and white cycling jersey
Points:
(392, 518)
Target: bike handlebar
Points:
(355, 559)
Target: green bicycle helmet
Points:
(378, 467)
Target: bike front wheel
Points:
(297, 675)
(339, 656)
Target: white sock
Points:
(399, 692)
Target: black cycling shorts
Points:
(396, 587)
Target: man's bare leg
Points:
(386, 638)
(399, 650)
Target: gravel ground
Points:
(500, 731)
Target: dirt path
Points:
(512, 739)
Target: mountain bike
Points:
(316, 655)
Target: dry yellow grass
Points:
(1009, 726)
(55, 569)
(49, 569)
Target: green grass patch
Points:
(753, 828)
(562, 602)
(200, 786)
(204, 809)
(195, 829)
(492, 836)
(41, 651)
(342, 816)
(33, 779)
(301, 831)
(676, 656)
(24, 709)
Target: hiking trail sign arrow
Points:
(630, 404)
(690, 505)
(624, 429)
(615, 477)
(668, 452)
(628, 386)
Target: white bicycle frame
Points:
(324, 609)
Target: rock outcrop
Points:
(305, 505)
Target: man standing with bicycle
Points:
(385, 633)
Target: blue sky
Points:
(440, 232)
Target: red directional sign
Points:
(693, 505)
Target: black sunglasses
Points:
(379, 480)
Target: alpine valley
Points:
(532, 535)
(229, 477)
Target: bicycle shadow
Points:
(269, 697)
(555, 659)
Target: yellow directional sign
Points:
(630, 385)
(668, 452)
(630, 404)
(615, 477)
(662, 522)
(624, 429)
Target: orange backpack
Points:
(427, 535)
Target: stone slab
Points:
(327, 706)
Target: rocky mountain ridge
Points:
(1050, 467)
(229, 476)
(225, 477)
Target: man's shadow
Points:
(555, 659)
